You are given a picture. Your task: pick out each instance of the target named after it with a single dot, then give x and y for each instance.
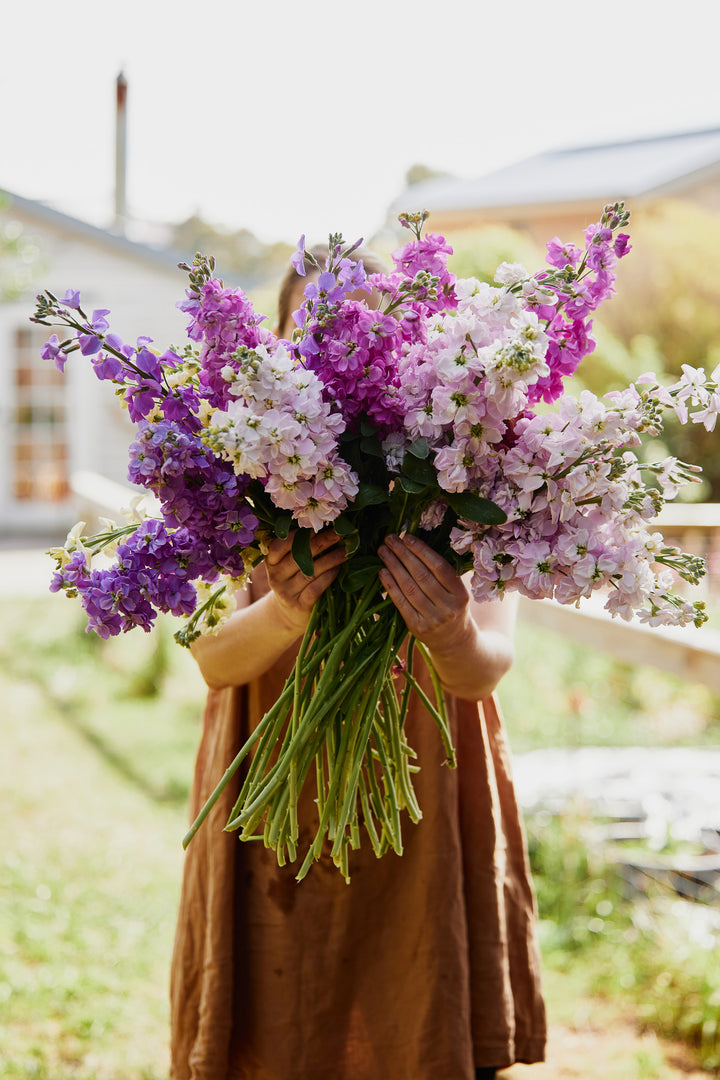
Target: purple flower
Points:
(224, 321)
(601, 257)
(71, 299)
(141, 400)
(298, 259)
(148, 363)
(89, 344)
(113, 341)
(562, 255)
(51, 351)
(622, 245)
(180, 405)
(73, 574)
(107, 367)
(98, 321)
(326, 289)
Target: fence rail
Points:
(690, 653)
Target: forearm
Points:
(470, 660)
(247, 646)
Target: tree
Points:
(239, 252)
(19, 256)
(668, 305)
(417, 173)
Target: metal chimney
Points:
(120, 153)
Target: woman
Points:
(423, 968)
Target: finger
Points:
(412, 551)
(317, 586)
(396, 594)
(413, 604)
(413, 576)
(277, 550)
(332, 559)
(323, 540)
(281, 561)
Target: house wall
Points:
(141, 297)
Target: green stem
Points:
(438, 714)
(394, 727)
(279, 772)
(350, 779)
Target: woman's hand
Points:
(256, 635)
(294, 593)
(426, 591)
(471, 645)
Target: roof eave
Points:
(163, 259)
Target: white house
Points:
(52, 425)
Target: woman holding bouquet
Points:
(425, 966)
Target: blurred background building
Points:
(559, 192)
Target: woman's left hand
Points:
(426, 590)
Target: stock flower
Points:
(297, 261)
(107, 366)
(51, 350)
(622, 245)
(562, 255)
(71, 299)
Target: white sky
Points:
(286, 116)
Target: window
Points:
(39, 423)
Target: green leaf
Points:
(413, 487)
(352, 542)
(282, 525)
(467, 504)
(420, 448)
(302, 553)
(366, 428)
(369, 495)
(371, 447)
(358, 572)
(343, 526)
(419, 469)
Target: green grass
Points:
(135, 698)
(559, 693)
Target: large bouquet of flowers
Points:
(428, 413)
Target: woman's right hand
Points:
(257, 634)
(295, 594)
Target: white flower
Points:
(708, 416)
(510, 273)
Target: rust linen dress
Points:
(422, 968)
